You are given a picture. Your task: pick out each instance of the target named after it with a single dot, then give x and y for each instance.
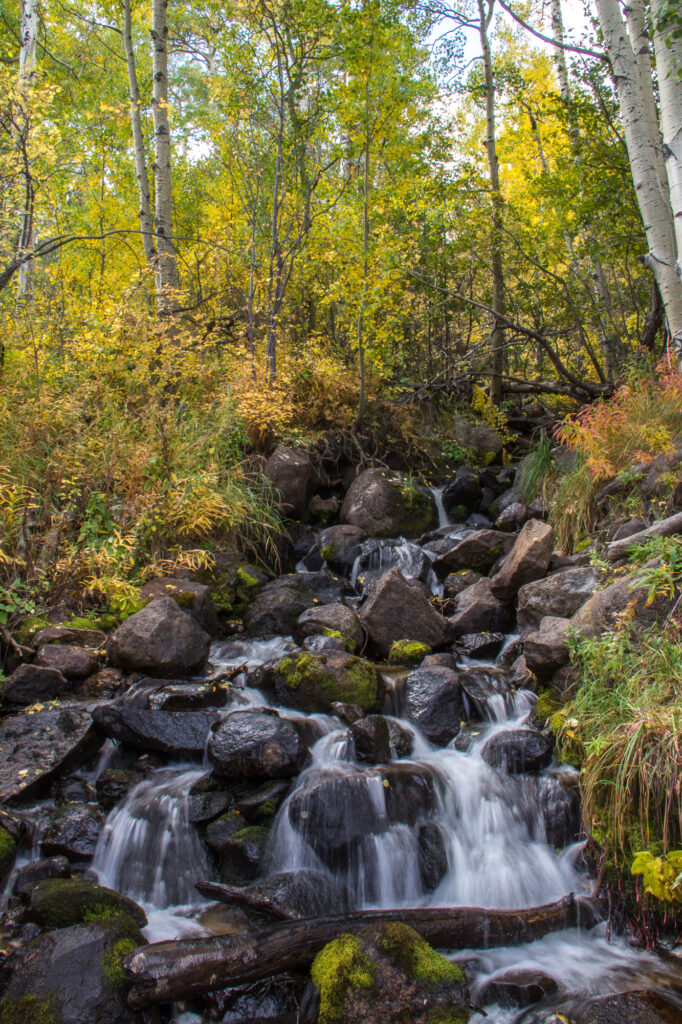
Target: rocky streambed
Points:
(368, 743)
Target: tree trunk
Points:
(168, 971)
(27, 73)
(668, 52)
(168, 281)
(145, 212)
(559, 54)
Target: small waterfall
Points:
(378, 556)
(443, 518)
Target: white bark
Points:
(644, 153)
(559, 53)
(145, 213)
(669, 66)
(635, 15)
(29, 38)
(27, 74)
(168, 281)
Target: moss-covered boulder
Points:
(62, 902)
(388, 975)
(386, 504)
(313, 682)
(8, 852)
(408, 652)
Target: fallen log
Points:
(661, 528)
(166, 971)
(243, 898)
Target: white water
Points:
(443, 518)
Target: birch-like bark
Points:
(27, 74)
(668, 52)
(559, 54)
(644, 154)
(168, 281)
(145, 212)
(635, 15)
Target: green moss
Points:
(487, 458)
(28, 626)
(61, 902)
(112, 962)
(269, 807)
(246, 579)
(253, 833)
(330, 551)
(545, 706)
(365, 689)
(347, 641)
(305, 668)
(419, 961)
(356, 683)
(8, 850)
(408, 652)
(459, 513)
(27, 1010)
(105, 622)
(448, 1015)
(340, 966)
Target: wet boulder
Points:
(383, 505)
(253, 744)
(513, 516)
(73, 975)
(388, 975)
(62, 902)
(408, 652)
(161, 640)
(194, 598)
(402, 739)
(477, 551)
(37, 746)
(371, 740)
(546, 649)
(261, 804)
(378, 557)
(560, 594)
(291, 474)
(528, 560)
(559, 799)
(73, 830)
(103, 685)
(481, 645)
(331, 619)
(433, 858)
(220, 831)
(517, 987)
(72, 662)
(114, 784)
(462, 495)
(455, 582)
(306, 892)
(31, 684)
(41, 870)
(640, 1007)
(8, 852)
(339, 546)
(433, 702)
(477, 610)
(241, 854)
(399, 609)
(176, 733)
(313, 682)
(518, 750)
(191, 696)
(482, 689)
(280, 602)
(208, 798)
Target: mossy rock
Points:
(8, 852)
(388, 974)
(28, 626)
(408, 652)
(62, 902)
(28, 1010)
(313, 682)
(234, 590)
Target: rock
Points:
(194, 598)
(630, 528)
(408, 652)
(546, 649)
(402, 739)
(480, 688)
(388, 975)
(599, 614)
(398, 609)
(220, 831)
(371, 740)
(331, 618)
(433, 699)
(668, 527)
(114, 784)
(103, 685)
(72, 662)
(485, 442)
(518, 750)
(518, 987)
(241, 855)
(37, 746)
(380, 503)
(208, 798)
(321, 510)
(477, 551)
(72, 976)
(75, 789)
(72, 830)
(561, 594)
(455, 582)
(528, 560)
(291, 473)
(252, 744)
(466, 737)
(513, 517)
(313, 682)
(339, 546)
(462, 495)
(559, 798)
(307, 892)
(481, 645)
(348, 713)
(30, 684)
(176, 733)
(378, 557)
(192, 696)
(280, 602)
(73, 636)
(443, 659)
(281, 999)
(8, 852)
(62, 902)
(40, 870)
(477, 610)
(161, 639)
(261, 804)
(641, 1007)
(321, 644)
(433, 858)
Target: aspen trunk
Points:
(168, 280)
(27, 72)
(142, 174)
(669, 66)
(559, 54)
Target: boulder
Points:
(477, 610)
(561, 594)
(339, 546)
(348, 713)
(559, 800)
(165, 695)
(402, 739)
(517, 750)
(313, 682)
(408, 652)
(480, 689)
(72, 662)
(208, 798)
(72, 830)
(322, 644)
(252, 744)
(241, 854)
(194, 598)
(41, 870)
(518, 987)
(114, 784)
(546, 649)
(528, 560)
(371, 740)
(398, 609)
(30, 684)
(62, 902)
(477, 551)
(331, 619)
(280, 602)
(640, 1007)
(306, 892)
(481, 645)
(433, 858)
(377, 557)
(513, 516)
(462, 495)
(599, 614)
(455, 582)
(383, 505)
(388, 975)
(628, 529)
(321, 510)
(220, 831)
(72, 976)
(261, 804)
(291, 473)
(103, 685)
(433, 702)
(485, 442)
(161, 639)
(175, 733)
(37, 746)
(71, 635)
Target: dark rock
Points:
(477, 551)
(37, 746)
(481, 645)
(194, 598)
(29, 684)
(335, 618)
(462, 492)
(433, 858)
(208, 798)
(518, 750)
(161, 639)
(220, 831)
(433, 700)
(378, 557)
(321, 510)
(280, 602)
(72, 662)
(641, 1007)
(455, 582)
(241, 854)
(348, 713)
(443, 659)
(261, 804)
(339, 546)
(402, 740)
(40, 870)
(291, 473)
(72, 976)
(114, 784)
(72, 830)
(599, 614)
(62, 902)
(371, 740)
(518, 987)
(398, 609)
(76, 637)
(251, 744)
(528, 560)
(466, 737)
(477, 610)
(281, 999)
(307, 892)
(380, 503)
(103, 685)
(480, 686)
(177, 733)
(561, 594)
(321, 644)
(559, 799)
(513, 516)
(191, 696)
(313, 682)
(630, 528)
(546, 649)
(75, 789)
